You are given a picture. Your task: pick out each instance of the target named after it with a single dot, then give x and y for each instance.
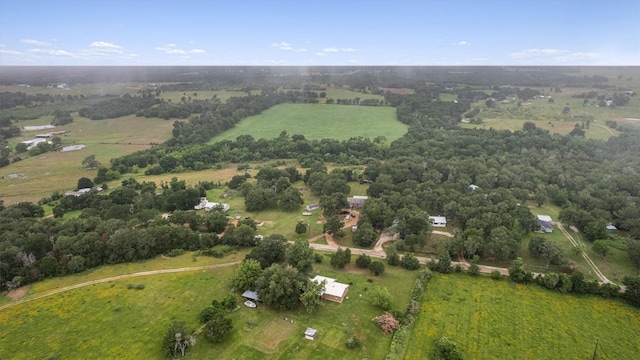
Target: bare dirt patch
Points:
(19, 293)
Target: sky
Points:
(327, 32)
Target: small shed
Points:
(312, 207)
(251, 295)
(611, 227)
(546, 223)
(310, 333)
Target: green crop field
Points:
(502, 320)
(109, 320)
(319, 121)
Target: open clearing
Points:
(43, 174)
(319, 121)
(88, 318)
(502, 320)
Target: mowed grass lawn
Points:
(502, 320)
(110, 321)
(320, 121)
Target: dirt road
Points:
(112, 278)
(586, 257)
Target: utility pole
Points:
(595, 352)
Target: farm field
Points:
(319, 121)
(89, 316)
(39, 176)
(502, 320)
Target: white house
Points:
(333, 290)
(438, 221)
(208, 205)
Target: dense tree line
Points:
(118, 106)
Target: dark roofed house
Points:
(545, 222)
(312, 207)
(357, 201)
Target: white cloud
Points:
(170, 45)
(576, 57)
(35, 42)
(336, 50)
(101, 48)
(54, 52)
(353, 61)
(9, 52)
(102, 44)
(282, 45)
(300, 50)
(321, 54)
(462, 43)
(197, 51)
(530, 53)
(170, 50)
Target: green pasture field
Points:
(76, 89)
(108, 320)
(43, 174)
(319, 121)
(343, 93)
(490, 319)
(176, 96)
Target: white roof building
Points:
(333, 290)
(208, 205)
(438, 221)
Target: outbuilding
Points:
(438, 221)
(310, 333)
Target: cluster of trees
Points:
(10, 100)
(118, 106)
(273, 189)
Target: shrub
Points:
(495, 275)
(175, 252)
(474, 269)
(353, 342)
(208, 313)
(410, 262)
(381, 297)
(217, 328)
(363, 261)
(387, 323)
(445, 349)
(376, 267)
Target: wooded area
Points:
(427, 171)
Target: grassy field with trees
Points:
(320, 121)
(554, 142)
(481, 316)
(90, 316)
